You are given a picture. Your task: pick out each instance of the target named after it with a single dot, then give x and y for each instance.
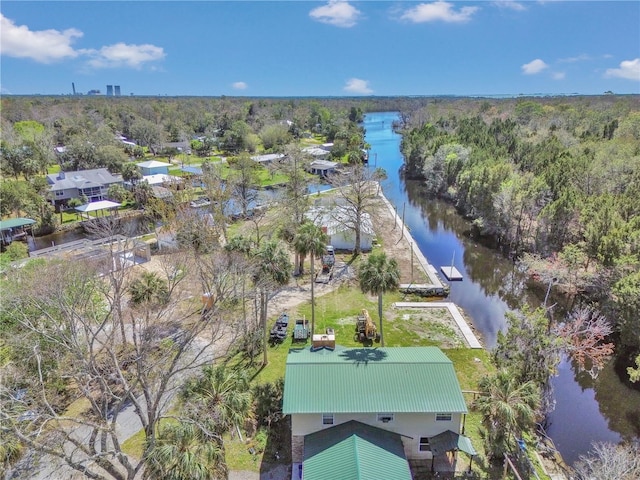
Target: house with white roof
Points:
(339, 223)
(153, 167)
(267, 158)
(367, 413)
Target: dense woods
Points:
(554, 182)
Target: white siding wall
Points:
(414, 425)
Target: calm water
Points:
(586, 411)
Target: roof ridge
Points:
(355, 438)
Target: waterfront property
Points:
(322, 167)
(402, 405)
(338, 223)
(14, 229)
(153, 167)
(92, 184)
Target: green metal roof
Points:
(367, 380)
(15, 222)
(450, 441)
(354, 451)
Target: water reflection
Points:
(586, 411)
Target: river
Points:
(586, 411)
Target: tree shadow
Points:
(363, 355)
(277, 452)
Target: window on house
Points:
(385, 417)
(443, 417)
(424, 444)
(327, 418)
(59, 193)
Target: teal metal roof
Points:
(368, 380)
(15, 222)
(354, 451)
(450, 441)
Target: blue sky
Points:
(328, 48)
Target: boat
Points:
(200, 202)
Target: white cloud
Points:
(47, 46)
(337, 12)
(358, 86)
(510, 4)
(124, 55)
(239, 85)
(533, 67)
(629, 70)
(43, 46)
(583, 57)
(558, 75)
(438, 11)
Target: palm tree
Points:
(185, 451)
(149, 288)
(377, 275)
(508, 408)
(311, 240)
(223, 395)
(272, 268)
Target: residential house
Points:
(322, 167)
(267, 158)
(373, 413)
(339, 222)
(317, 152)
(153, 167)
(92, 184)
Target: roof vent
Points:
(323, 340)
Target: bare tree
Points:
(610, 462)
(81, 387)
(218, 193)
(358, 192)
(295, 201)
(583, 336)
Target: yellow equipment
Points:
(366, 331)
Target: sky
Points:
(327, 48)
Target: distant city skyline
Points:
(330, 48)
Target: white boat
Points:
(200, 202)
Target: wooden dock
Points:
(424, 289)
(451, 273)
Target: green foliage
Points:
(527, 349)
(626, 301)
(268, 401)
(15, 251)
(184, 451)
(634, 373)
(508, 407)
(149, 288)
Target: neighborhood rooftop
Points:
(409, 379)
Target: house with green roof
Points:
(357, 407)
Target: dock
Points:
(424, 289)
(467, 333)
(451, 273)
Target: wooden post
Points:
(395, 216)
(411, 262)
(403, 205)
